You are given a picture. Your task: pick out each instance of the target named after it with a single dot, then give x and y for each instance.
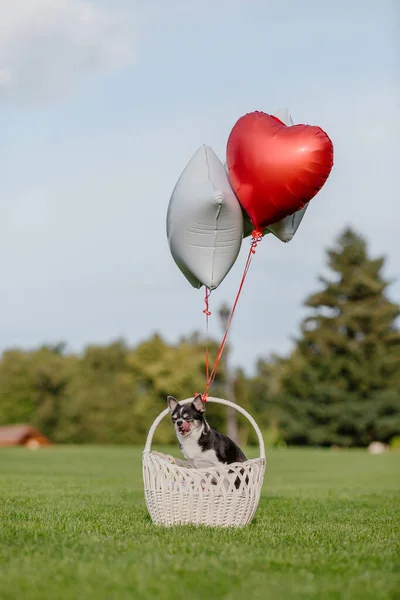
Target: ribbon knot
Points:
(256, 237)
(207, 311)
(203, 396)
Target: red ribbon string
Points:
(256, 237)
(207, 312)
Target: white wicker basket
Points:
(223, 496)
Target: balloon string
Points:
(207, 312)
(256, 237)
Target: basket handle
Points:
(244, 412)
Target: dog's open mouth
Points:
(184, 429)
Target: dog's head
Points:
(187, 417)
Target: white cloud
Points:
(48, 46)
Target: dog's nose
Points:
(179, 422)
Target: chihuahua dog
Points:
(201, 445)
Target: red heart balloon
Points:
(274, 169)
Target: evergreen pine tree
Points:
(341, 385)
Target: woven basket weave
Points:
(222, 496)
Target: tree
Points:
(341, 384)
(109, 394)
(32, 387)
(100, 400)
(162, 369)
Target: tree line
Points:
(340, 385)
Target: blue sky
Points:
(103, 103)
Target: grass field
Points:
(74, 525)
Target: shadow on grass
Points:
(192, 527)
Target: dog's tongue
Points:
(185, 427)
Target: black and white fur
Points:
(201, 445)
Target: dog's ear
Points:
(198, 403)
(172, 403)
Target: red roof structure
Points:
(22, 435)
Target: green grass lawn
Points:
(73, 524)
